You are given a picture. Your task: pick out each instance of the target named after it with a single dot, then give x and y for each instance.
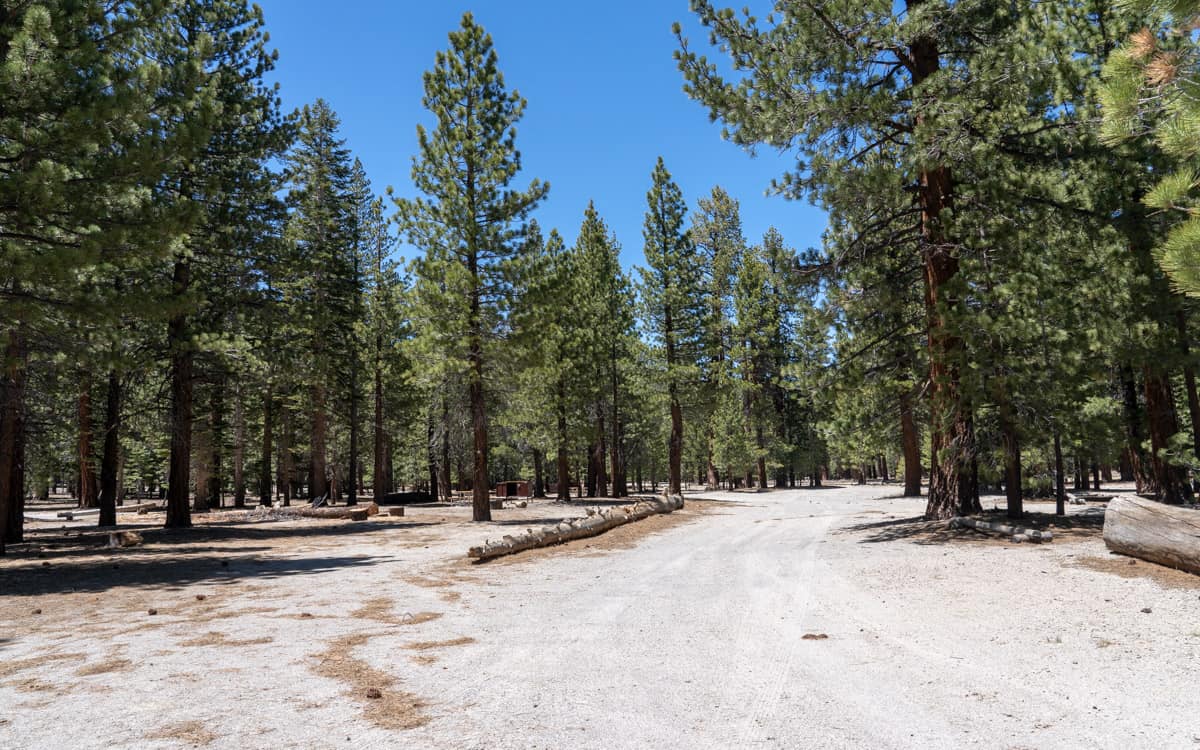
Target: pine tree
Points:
(671, 292)
(717, 231)
(608, 308)
(224, 41)
(469, 225)
(322, 288)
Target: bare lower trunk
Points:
(287, 464)
(1134, 455)
(563, 459)
(539, 479)
(110, 464)
(712, 476)
(264, 477)
(444, 467)
(480, 495)
(201, 466)
(589, 480)
(762, 461)
(675, 447)
(911, 444)
(1160, 408)
(179, 513)
(239, 450)
(318, 482)
(377, 468)
(352, 467)
(430, 449)
(216, 477)
(89, 486)
(601, 457)
(1060, 478)
(12, 439)
(1012, 464)
(620, 486)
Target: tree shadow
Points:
(97, 575)
(57, 544)
(917, 530)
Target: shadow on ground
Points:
(103, 574)
(60, 561)
(917, 530)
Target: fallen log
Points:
(595, 523)
(1164, 534)
(352, 513)
(1017, 533)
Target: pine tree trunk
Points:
(264, 477)
(179, 512)
(620, 486)
(287, 462)
(1134, 458)
(110, 464)
(318, 481)
(445, 484)
(1172, 481)
(952, 435)
(563, 458)
(760, 441)
(713, 477)
(1080, 475)
(1012, 462)
(1189, 379)
(539, 477)
(590, 473)
(352, 465)
(239, 449)
(1060, 479)
(12, 439)
(216, 477)
(481, 508)
(201, 465)
(389, 474)
(89, 487)
(601, 454)
(675, 444)
(377, 466)
(431, 451)
(1095, 474)
(911, 443)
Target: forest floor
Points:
(790, 619)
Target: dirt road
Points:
(791, 619)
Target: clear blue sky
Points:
(605, 100)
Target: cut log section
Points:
(595, 523)
(1017, 533)
(1164, 534)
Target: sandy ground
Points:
(790, 619)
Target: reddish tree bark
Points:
(179, 512)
